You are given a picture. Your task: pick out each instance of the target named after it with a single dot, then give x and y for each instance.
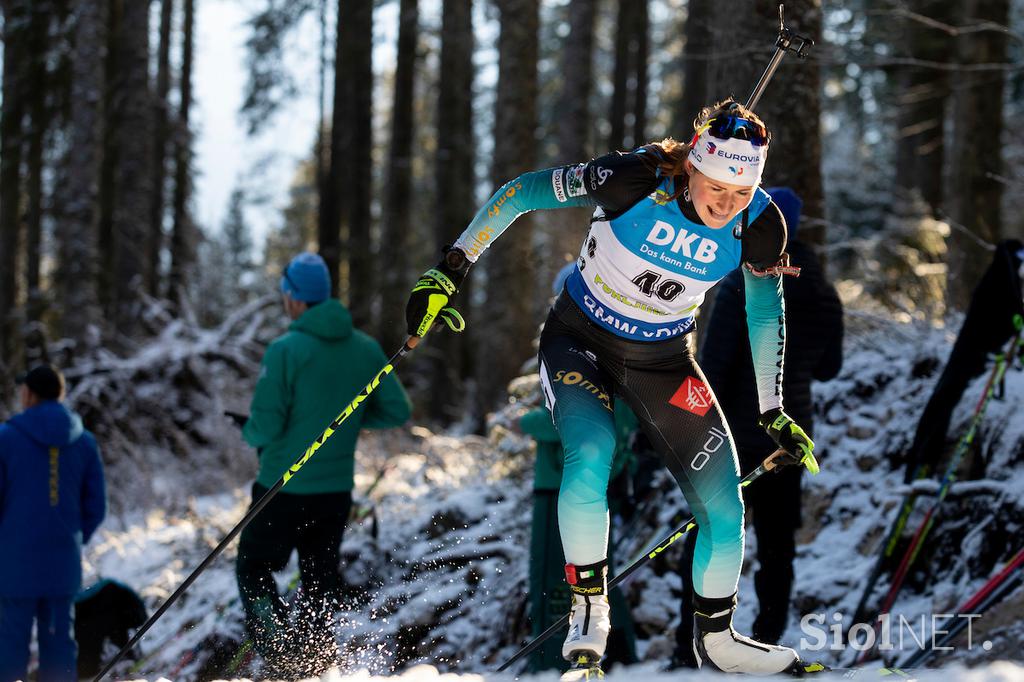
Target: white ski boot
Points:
(589, 615)
(719, 647)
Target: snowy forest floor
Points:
(442, 581)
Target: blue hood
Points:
(50, 424)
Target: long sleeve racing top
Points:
(648, 262)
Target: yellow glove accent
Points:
(435, 303)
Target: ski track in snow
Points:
(454, 531)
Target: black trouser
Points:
(311, 524)
(774, 503)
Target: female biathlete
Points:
(670, 221)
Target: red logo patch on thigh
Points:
(694, 396)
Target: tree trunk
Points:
(329, 223)
(922, 99)
(398, 204)
(640, 52)
(320, 150)
(11, 145)
(620, 77)
(574, 120)
(629, 101)
(574, 130)
(345, 210)
(77, 227)
(696, 59)
(39, 114)
(452, 360)
(108, 161)
(127, 175)
(974, 196)
(161, 137)
(791, 105)
(183, 234)
(512, 314)
(356, 63)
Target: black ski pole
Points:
(774, 461)
(410, 343)
(788, 41)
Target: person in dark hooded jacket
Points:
(308, 375)
(52, 500)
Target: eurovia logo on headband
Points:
(733, 156)
(743, 158)
(713, 150)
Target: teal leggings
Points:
(581, 368)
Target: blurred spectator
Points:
(986, 328)
(308, 375)
(52, 499)
(549, 593)
(814, 347)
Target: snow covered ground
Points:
(996, 672)
(440, 586)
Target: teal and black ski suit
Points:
(619, 328)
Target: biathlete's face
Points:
(716, 202)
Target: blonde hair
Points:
(671, 153)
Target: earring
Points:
(686, 194)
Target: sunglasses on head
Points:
(736, 128)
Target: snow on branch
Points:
(160, 408)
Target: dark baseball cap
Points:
(45, 381)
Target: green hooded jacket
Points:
(308, 376)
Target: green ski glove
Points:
(788, 435)
(434, 290)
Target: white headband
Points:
(733, 161)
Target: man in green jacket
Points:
(308, 375)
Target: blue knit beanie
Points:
(790, 204)
(306, 278)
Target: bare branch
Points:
(956, 31)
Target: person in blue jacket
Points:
(52, 499)
(670, 220)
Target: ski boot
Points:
(719, 647)
(583, 667)
(589, 620)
